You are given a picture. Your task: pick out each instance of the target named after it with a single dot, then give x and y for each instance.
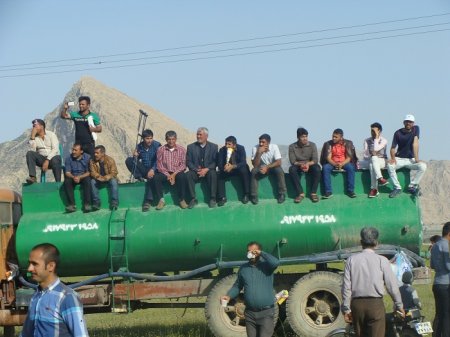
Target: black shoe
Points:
(114, 205)
(327, 195)
(96, 206)
(281, 198)
(351, 194)
(254, 200)
(192, 203)
(212, 203)
(31, 180)
(71, 209)
(87, 208)
(245, 199)
(146, 206)
(222, 201)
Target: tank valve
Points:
(283, 241)
(405, 229)
(197, 242)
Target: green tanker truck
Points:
(129, 256)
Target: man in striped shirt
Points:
(55, 310)
(171, 164)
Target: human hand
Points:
(348, 317)
(66, 105)
(392, 161)
(225, 298)
(45, 165)
(171, 179)
(135, 153)
(263, 169)
(202, 172)
(228, 167)
(262, 149)
(151, 174)
(76, 179)
(305, 167)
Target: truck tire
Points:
(230, 321)
(314, 304)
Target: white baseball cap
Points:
(409, 118)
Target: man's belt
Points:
(260, 309)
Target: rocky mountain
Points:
(119, 115)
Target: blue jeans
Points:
(112, 185)
(349, 168)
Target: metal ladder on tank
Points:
(118, 251)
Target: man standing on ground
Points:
(171, 163)
(86, 122)
(365, 276)
(256, 278)
(304, 158)
(104, 171)
(77, 172)
(201, 159)
(266, 159)
(440, 262)
(55, 309)
(406, 140)
(44, 152)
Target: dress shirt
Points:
(299, 152)
(148, 154)
(268, 157)
(171, 160)
(47, 147)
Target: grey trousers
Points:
(255, 176)
(259, 323)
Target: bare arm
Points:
(416, 149)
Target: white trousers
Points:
(374, 164)
(409, 163)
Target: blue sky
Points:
(346, 85)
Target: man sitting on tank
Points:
(338, 154)
(201, 160)
(375, 158)
(232, 161)
(77, 173)
(266, 159)
(304, 158)
(44, 152)
(171, 164)
(103, 171)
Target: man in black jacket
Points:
(232, 161)
(201, 159)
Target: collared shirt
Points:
(148, 154)
(77, 166)
(270, 156)
(171, 160)
(109, 165)
(47, 147)
(378, 145)
(299, 152)
(404, 140)
(365, 275)
(257, 279)
(338, 152)
(55, 312)
(440, 262)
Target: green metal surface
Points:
(174, 239)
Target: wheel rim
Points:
(233, 313)
(321, 308)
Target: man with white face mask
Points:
(256, 278)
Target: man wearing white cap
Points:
(405, 153)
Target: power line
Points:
(229, 55)
(231, 41)
(228, 49)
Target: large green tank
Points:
(177, 240)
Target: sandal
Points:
(299, 198)
(314, 197)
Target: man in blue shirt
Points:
(142, 165)
(256, 277)
(55, 310)
(406, 141)
(77, 172)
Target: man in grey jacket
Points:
(365, 276)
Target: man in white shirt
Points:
(266, 159)
(44, 152)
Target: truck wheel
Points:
(229, 321)
(314, 303)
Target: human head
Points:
(369, 237)
(77, 150)
(446, 229)
(407, 277)
(252, 246)
(171, 138)
(434, 239)
(202, 135)
(230, 142)
(84, 102)
(302, 135)
(338, 135)
(409, 121)
(264, 140)
(99, 152)
(38, 122)
(147, 137)
(43, 263)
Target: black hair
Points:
(265, 136)
(338, 132)
(231, 139)
(376, 125)
(301, 132)
(435, 238)
(78, 144)
(85, 98)
(171, 133)
(147, 133)
(49, 252)
(251, 243)
(369, 237)
(101, 148)
(446, 229)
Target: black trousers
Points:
(243, 173)
(85, 186)
(136, 168)
(369, 317)
(211, 179)
(180, 184)
(295, 172)
(35, 159)
(88, 148)
(259, 323)
(441, 323)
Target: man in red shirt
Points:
(338, 154)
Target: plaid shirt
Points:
(171, 161)
(55, 312)
(148, 154)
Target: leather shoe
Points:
(254, 200)
(192, 203)
(212, 203)
(245, 199)
(222, 202)
(281, 198)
